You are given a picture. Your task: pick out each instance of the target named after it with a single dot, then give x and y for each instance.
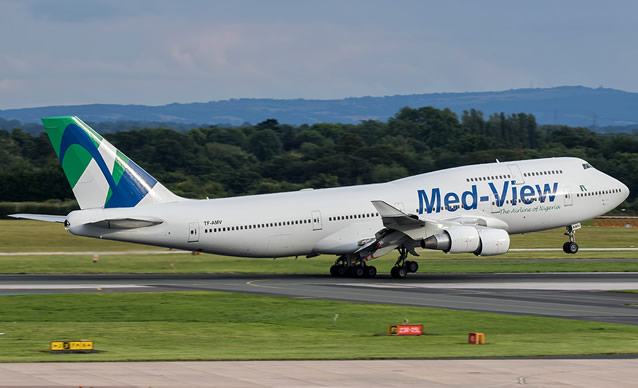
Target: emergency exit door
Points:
(193, 232)
(316, 220)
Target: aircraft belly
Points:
(348, 239)
(287, 245)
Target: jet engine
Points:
(458, 239)
(467, 239)
(493, 242)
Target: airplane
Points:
(470, 209)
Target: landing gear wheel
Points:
(412, 266)
(357, 272)
(340, 271)
(572, 247)
(370, 271)
(398, 272)
(401, 267)
(333, 270)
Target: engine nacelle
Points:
(493, 242)
(458, 239)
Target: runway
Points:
(579, 372)
(583, 296)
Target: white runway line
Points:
(66, 286)
(556, 286)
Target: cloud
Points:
(160, 51)
(8, 86)
(74, 11)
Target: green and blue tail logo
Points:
(99, 174)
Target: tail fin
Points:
(99, 174)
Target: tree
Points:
(265, 144)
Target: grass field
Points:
(224, 326)
(36, 236)
(186, 263)
(33, 236)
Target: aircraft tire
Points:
(341, 271)
(412, 266)
(371, 271)
(398, 272)
(357, 272)
(572, 247)
(566, 247)
(333, 270)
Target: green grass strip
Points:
(226, 326)
(187, 263)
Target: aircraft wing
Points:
(404, 230)
(400, 230)
(39, 217)
(392, 216)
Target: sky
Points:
(68, 52)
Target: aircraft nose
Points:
(624, 190)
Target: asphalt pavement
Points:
(583, 296)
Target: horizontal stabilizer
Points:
(126, 223)
(39, 217)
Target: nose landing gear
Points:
(571, 246)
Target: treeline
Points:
(220, 161)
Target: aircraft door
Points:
(316, 220)
(193, 232)
(495, 207)
(517, 177)
(569, 201)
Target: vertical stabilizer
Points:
(99, 174)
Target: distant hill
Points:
(570, 105)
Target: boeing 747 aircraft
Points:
(463, 209)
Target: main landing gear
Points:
(344, 266)
(571, 246)
(402, 267)
(357, 268)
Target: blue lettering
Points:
(500, 198)
(472, 194)
(434, 204)
(451, 199)
(527, 191)
(469, 199)
(547, 190)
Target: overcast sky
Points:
(157, 52)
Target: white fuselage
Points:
(520, 196)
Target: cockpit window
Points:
(587, 165)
